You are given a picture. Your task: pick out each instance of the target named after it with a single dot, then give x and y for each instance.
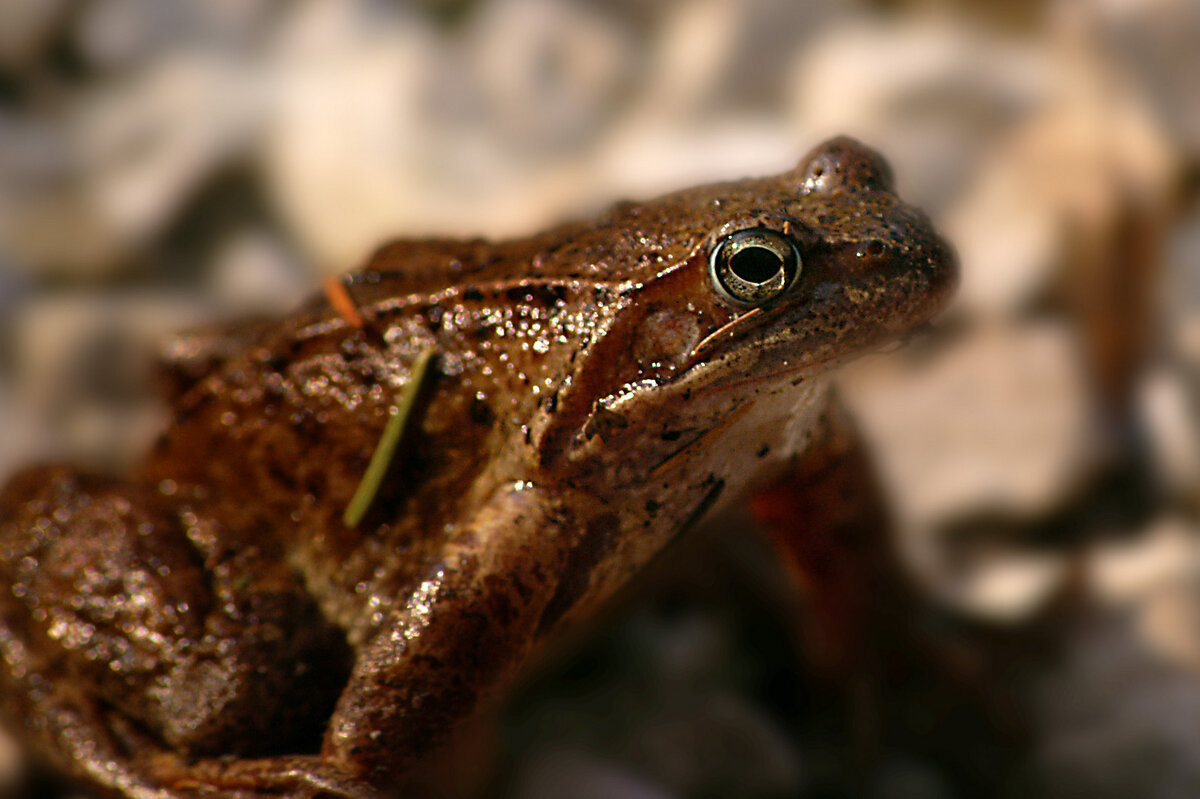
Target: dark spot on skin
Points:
(875, 247)
(600, 294)
(591, 549)
(472, 295)
(652, 507)
(519, 294)
(519, 587)
(671, 435)
(497, 597)
(481, 412)
(604, 422)
(549, 294)
(705, 503)
(434, 315)
(552, 403)
(762, 451)
(281, 474)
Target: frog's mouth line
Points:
(916, 298)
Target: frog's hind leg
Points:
(130, 625)
(46, 710)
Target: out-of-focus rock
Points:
(149, 144)
(1170, 622)
(1156, 577)
(1114, 720)
(933, 94)
(719, 744)
(1153, 44)
(997, 423)
(1005, 587)
(1171, 396)
(256, 272)
(579, 774)
(1075, 200)
(1128, 571)
(547, 74)
(350, 157)
(121, 34)
(909, 778)
(81, 194)
(28, 28)
(82, 367)
(48, 224)
(1171, 412)
(1000, 420)
(20, 440)
(1180, 294)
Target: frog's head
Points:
(729, 302)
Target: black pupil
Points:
(755, 264)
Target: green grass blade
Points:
(385, 450)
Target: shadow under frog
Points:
(212, 625)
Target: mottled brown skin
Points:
(592, 395)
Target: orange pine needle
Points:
(339, 298)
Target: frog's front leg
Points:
(460, 635)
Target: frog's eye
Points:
(752, 266)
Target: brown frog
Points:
(213, 624)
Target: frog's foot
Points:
(64, 725)
(94, 746)
(294, 777)
(131, 624)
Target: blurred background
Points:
(164, 165)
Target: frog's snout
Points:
(844, 163)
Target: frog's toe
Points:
(296, 777)
(60, 725)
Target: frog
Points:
(216, 623)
